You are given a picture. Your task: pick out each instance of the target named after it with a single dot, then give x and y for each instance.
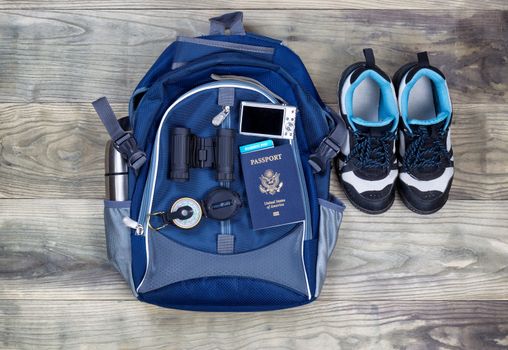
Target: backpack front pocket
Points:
(273, 255)
(195, 110)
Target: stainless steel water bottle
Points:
(116, 174)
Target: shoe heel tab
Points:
(370, 60)
(423, 62)
(423, 59)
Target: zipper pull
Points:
(219, 118)
(139, 230)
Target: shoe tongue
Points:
(433, 129)
(440, 119)
(373, 129)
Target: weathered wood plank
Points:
(79, 55)
(44, 240)
(58, 149)
(57, 289)
(55, 249)
(52, 151)
(450, 255)
(322, 325)
(249, 4)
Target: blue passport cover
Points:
(273, 188)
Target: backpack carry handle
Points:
(232, 21)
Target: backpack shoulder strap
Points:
(123, 140)
(330, 146)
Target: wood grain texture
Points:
(458, 253)
(55, 249)
(380, 325)
(396, 281)
(86, 54)
(61, 153)
(52, 151)
(251, 4)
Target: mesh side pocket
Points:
(330, 218)
(118, 238)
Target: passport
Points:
(273, 187)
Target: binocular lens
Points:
(179, 148)
(224, 154)
(187, 150)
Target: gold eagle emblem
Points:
(270, 182)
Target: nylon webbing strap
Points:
(329, 147)
(108, 118)
(225, 244)
(226, 96)
(232, 21)
(123, 141)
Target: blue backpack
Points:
(221, 265)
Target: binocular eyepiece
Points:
(191, 151)
(179, 154)
(224, 150)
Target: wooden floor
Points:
(396, 281)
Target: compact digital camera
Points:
(267, 120)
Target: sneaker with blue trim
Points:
(425, 150)
(367, 163)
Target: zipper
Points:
(303, 188)
(219, 118)
(265, 50)
(137, 227)
(248, 80)
(226, 224)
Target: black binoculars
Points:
(191, 151)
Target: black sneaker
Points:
(367, 165)
(425, 150)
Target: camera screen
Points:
(258, 120)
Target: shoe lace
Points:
(427, 150)
(372, 151)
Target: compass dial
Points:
(196, 210)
